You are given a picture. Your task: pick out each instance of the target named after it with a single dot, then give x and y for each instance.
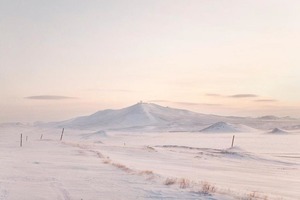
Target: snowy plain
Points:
(161, 165)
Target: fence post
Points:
(21, 140)
(62, 133)
(232, 141)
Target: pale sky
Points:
(64, 58)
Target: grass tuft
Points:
(207, 188)
(170, 181)
(184, 183)
(146, 172)
(122, 167)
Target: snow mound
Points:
(223, 127)
(13, 124)
(277, 131)
(294, 127)
(237, 153)
(95, 135)
(220, 127)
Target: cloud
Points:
(265, 100)
(111, 90)
(211, 104)
(232, 96)
(243, 96)
(187, 103)
(197, 104)
(213, 95)
(160, 101)
(49, 97)
(184, 103)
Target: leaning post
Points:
(62, 133)
(232, 141)
(21, 142)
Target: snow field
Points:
(125, 165)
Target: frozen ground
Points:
(114, 165)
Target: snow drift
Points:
(277, 131)
(223, 127)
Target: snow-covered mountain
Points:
(140, 115)
(153, 117)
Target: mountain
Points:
(139, 116)
(268, 117)
(223, 127)
(272, 117)
(153, 117)
(277, 131)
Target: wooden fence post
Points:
(232, 141)
(62, 133)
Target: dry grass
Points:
(253, 196)
(266, 197)
(122, 167)
(107, 161)
(150, 175)
(207, 188)
(146, 172)
(150, 148)
(170, 181)
(100, 155)
(184, 183)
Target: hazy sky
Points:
(63, 58)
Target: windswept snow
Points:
(126, 165)
(95, 135)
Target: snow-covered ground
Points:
(124, 165)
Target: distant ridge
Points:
(272, 117)
(223, 127)
(277, 131)
(294, 127)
